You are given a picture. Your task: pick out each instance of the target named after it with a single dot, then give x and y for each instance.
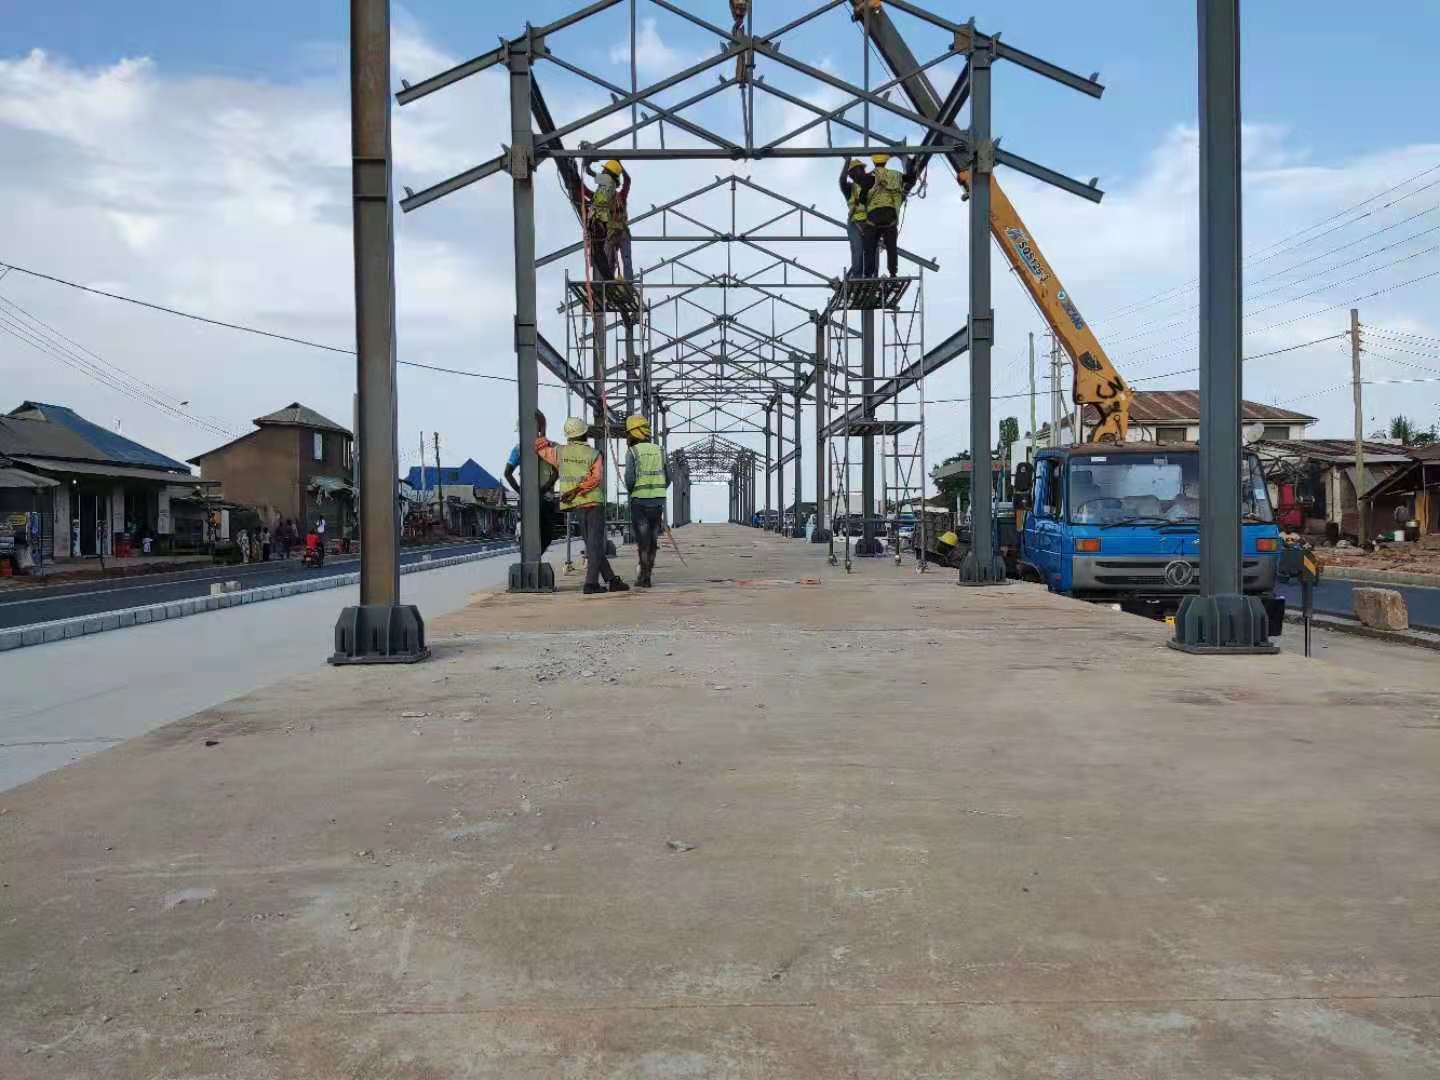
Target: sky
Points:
(197, 157)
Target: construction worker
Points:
(739, 11)
(579, 466)
(610, 220)
(852, 186)
(886, 192)
(549, 503)
(647, 476)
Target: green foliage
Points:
(1411, 434)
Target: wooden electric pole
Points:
(439, 487)
(1361, 530)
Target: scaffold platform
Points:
(867, 294)
(621, 297)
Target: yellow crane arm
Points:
(1097, 383)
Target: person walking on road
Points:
(579, 466)
(647, 476)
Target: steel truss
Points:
(727, 350)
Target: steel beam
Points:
(955, 345)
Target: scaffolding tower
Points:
(859, 366)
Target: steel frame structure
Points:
(727, 371)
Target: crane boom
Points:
(1097, 383)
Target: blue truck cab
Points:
(1121, 524)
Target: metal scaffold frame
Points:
(728, 376)
(896, 307)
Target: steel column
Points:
(797, 532)
(380, 629)
(768, 466)
(821, 535)
(868, 545)
(982, 565)
(530, 574)
(1221, 618)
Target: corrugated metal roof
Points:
(1176, 406)
(16, 478)
(117, 472)
(297, 415)
(104, 445)
(1333, 450)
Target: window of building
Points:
(319, 446)
(347, 452)
(1276, 431)
(1169, 434)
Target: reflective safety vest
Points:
(602, 205)
(575, 461)
(889, 190)
(858, 209)
(649, 471)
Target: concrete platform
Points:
(747, 826)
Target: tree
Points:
(1009, 436)
(956, 489)
(1409, 434)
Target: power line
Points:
(253, 329)
(1261, 256)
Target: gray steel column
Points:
(821, 534)
(797, 532)
(632, 370)
(530, 574)
(868, 545)
(1221, 618)
(769, 409)
(982, 566)
(380, 629)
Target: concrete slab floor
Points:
(877, 826)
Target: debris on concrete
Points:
(1381, 609)
(187, 896)
(679, 845)
(413, 715)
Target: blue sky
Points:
(1319, 67)
(214, 176)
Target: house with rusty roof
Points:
(1315, 483)
(89, 490)
(296, 464)
(1173, 416)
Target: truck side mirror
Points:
(1024, 478)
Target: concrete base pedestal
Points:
(532, 577)
(380, 634)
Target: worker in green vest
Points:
(647, 476)
(852, 186)
(886, 191)
(604, 211)
(580, 467)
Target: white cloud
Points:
(653, 55)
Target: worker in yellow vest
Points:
(580, 467)
(647, 476)
(852, 186)
(886, 191)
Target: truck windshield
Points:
(1112, 489)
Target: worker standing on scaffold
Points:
(886, 193)
(598, 207)
(852, 186)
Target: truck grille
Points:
(1150, 574)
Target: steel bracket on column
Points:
(982, 328)
(380, 634)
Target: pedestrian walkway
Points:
(766, 821)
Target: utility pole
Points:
(379, 629)
(439, 486)
(1030, 449)
(1054, 390)
(1362, 531)
(423, 486)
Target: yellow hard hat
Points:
(613, 167)
(879, 159)
(949, 538)
(637, 425)
(575, 428)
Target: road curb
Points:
(1419, 638)
(1362, 576)
(20, 637)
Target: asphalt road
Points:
(1332, 597)
(45, 603)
